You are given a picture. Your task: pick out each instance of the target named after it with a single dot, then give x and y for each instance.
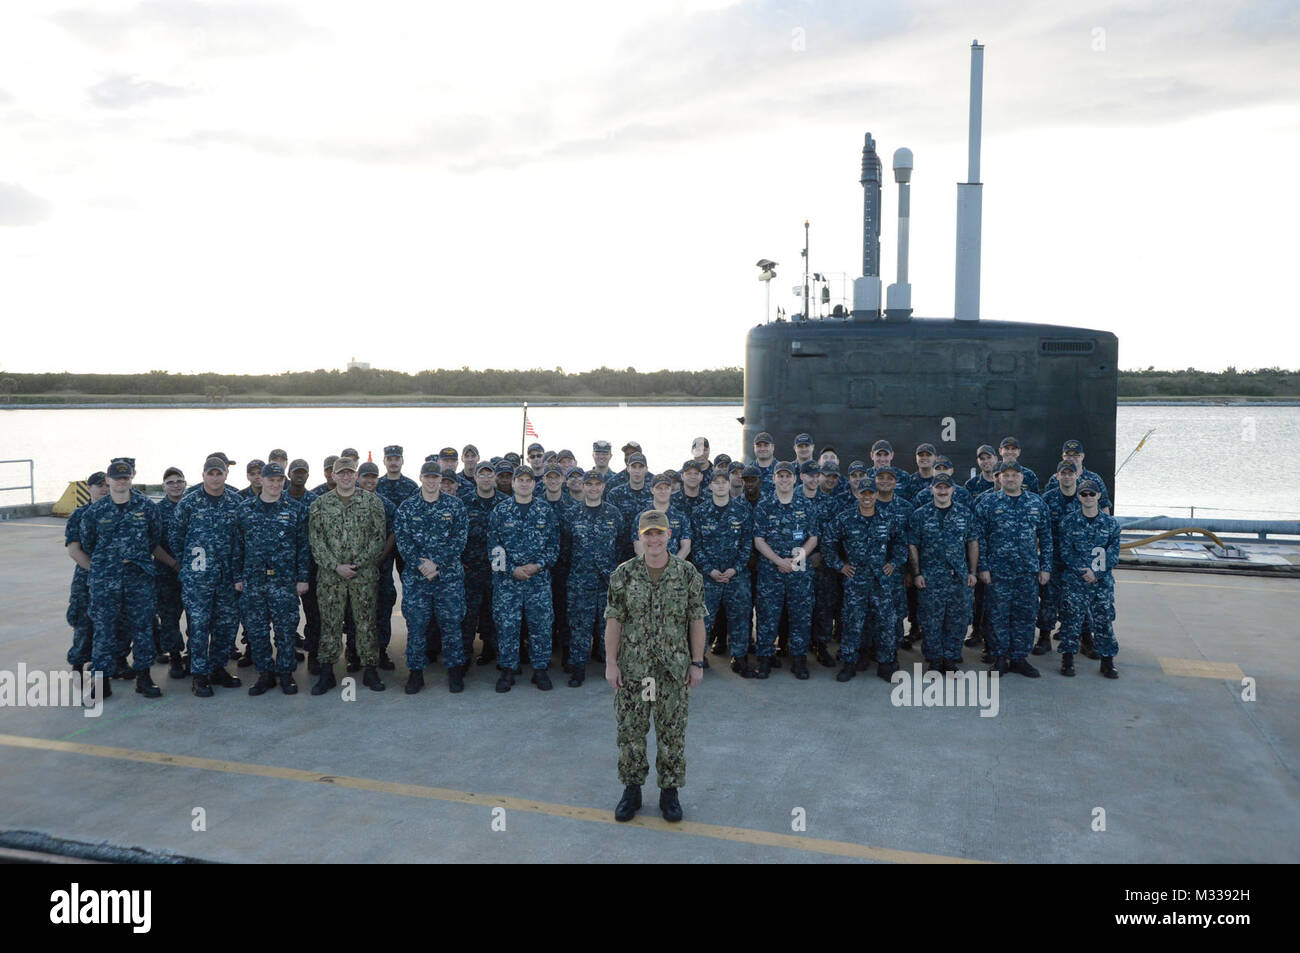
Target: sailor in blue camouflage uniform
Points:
(924, 475)
(632, 495)
(592, 530)
(1060, 499)
(523, 545)
(695, 485)
(170, 607)
(271, 554)
(868, 548)
(828, 584)
(299, 471)
(394, 486)
(943, 543)
(764, 460)
(202, 535)
(479, 504)
(432, 528)
(1015, 553)
(1090, 550)
(1072, 452)
(823, 612)
(121, 535)
(1009, 449)
(386, 598)
(679, 523)
(899, 508)
(470, 459)
(253, 470)
(600, 454)
(323, 488)
(882, 458)
(79, 595)
(553, 493)
(986, 459)
(960, 494)
(722, 540)
(786, 529)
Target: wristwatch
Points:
(699, 664)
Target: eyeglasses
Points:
(1087, 493)
(173, 482)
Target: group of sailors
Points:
(516, 553)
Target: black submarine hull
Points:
(955, 384)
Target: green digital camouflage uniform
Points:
(343, 531)
(655, 646)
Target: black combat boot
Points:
(313, 664)
(823, 656)
(104, 680)
(414, 682)
(1001, 665)
(1044, 643)
(122, 669)
(1021, 666)
(886, 670)
(741, 667)
(1067, 664)
(456, 679)
(1108, 667)
(370, 679)
(541, 679)
(629, 803)
(353, 660)
(287, 684)
(669, 806)
(764, 666)
(246, 659)
(487, 656)
(505, 680)
(200, 686)
(577, 675)
(326, 680)
(385, 662)
(265, 680)
(219, 676)
(145, 686)
(846, 672)
(799, 667)
(176, 667)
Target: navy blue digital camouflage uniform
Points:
(785, 527)
(978, 485)
(526, 533)
(271, 556)
(1102, 496)
(1049, 606)
(1089, 543)
(631, 504)
(202, 535)
(944, 605)
(435, 531)
(900, 510)
(478, 571)
(593, 534)
(170, 606)
(120, 540)
(559, 573)
(1015, 545)
(78, 598)
(722, 539)
(959, 495)
(867, 543)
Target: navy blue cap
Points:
(856, 466)
(1009, 465)
(552, 468)
(1088, 485)
(763, 437)
(119, 468)
(1065, 465)
(575, 471)
(633, 446)
(661, 478)
(255, 465)
(784, 465)
(736, 466)
(693, 464)
(565, 453)
(1072, 446)
(942, 479)
(593, 474)
(275, 470)
(99, 476)
(882, 445)
(803, 438)
(830, 466)
(1009, 442)
(926, 448)
(811, 466)
(722, 460)
(504, 466)
(893, 471)
(448, 453)
(430, 468)
(485, 465)
(868, 484)
(986, 448)
(636, 458)
(942, 461)
(513, 458)
(524, 471)
(752, 471)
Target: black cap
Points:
(448, 453)
(393, 450)
(803, 438)
(1072, 446)
(925, 448)
(882, 445)
(1065, 465)
(751, 471)
(523, 471)
(593, 474)
(299, 464)
(504, 466)
(636, 458)
(692, 464)
(722, 460)
(942, 479)
(812, 466)
(430, 468)
(661, 478)
(1009, 442)
(485, 465)
(369, 468)
(99, 476)
(255, 464)
(1087, 485)
(736, 467)
(830, 466)
(1009, 465)
(764, 437)
(214, 453)
(119, 468)
(857, 466)
(170, 471)
(275, 470)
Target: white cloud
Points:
(18, 206)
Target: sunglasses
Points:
(1087, 493)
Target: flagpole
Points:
(523, 432)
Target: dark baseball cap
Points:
(722, 460)
(552, 468)
(600, 446)
(255, 465)
(213, 462)
(1065, 465)
(868, 484)
(831, 467)
(891, 471)
(393, 450)
(884, 445)
(1072, 446)
(942, 461)
(120, 468)
(784, 465)
(214, 453)
(857, 466)
(523, 471)
(469, 448)
(986, 448)
(275, 470)
(99, 476)
(661, 478)
(811, 466)
(430, 468)
(345, 463)
(751, 471)
(330, 461)
(536, 446)
(513, 458)
(368, 468)
(170, 471)
(652, 519)
(504, 466)
(1009, 442)
(485, 465)
(636, 458)
(925, 448)
(448, 453)
(352, 452)
(575, 471)
(735, 467)
(692, 464)
(632, 445)
(299, 464)
(565, 455)
(1088, 485)
(593, 474)
(278, 454)
(722, 473)
(802, 439)
(942, 479)
(764, 437)
(1010, 465)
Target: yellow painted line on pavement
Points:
(1200, 668)
(739, 835)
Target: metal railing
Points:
(30, 485)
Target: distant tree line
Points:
(725, 382)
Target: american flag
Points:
(528, 426)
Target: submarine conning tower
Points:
(954, 382)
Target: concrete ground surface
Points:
(1184, 768)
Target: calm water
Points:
(1225, 461)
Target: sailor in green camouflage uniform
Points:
(347, 529)
(653, 601)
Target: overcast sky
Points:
(249, 187)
